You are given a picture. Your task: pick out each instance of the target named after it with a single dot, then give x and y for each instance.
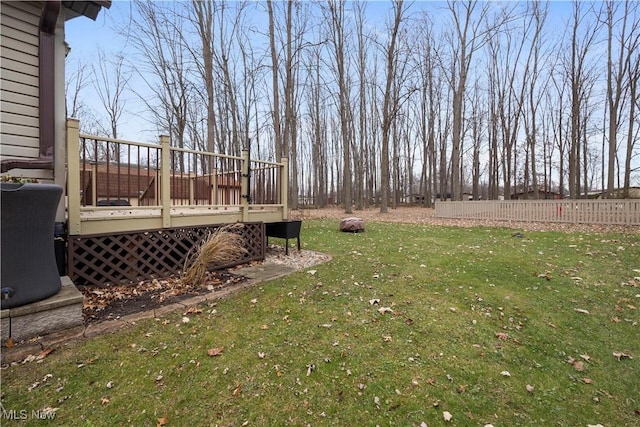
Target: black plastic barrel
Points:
(28, 272)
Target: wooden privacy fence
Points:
(606, 212)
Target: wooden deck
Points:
(166, 187)
(135, 210)
(101, 220)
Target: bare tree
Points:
(468, 37)
(633, 68)
(390, 100)
(110, 80)
(157, 38)
(337, 38)
(202, 17)
(275, 67)
(77, 82)
(619, 79)
(579, 73)
(318, 123)
(361, 153)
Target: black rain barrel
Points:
(29, 271)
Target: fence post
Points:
(245, 194)
(165, 180)
(284, 188)
(73, 176)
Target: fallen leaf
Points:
(162, 422)
(185, 319)
(310, 368)
(44, 353)
(264, 327)
(9, 343)
(236, 391)
(502, 336)
(581, 310)
(587, 380)
(374, 301)
(104, 400)
(215, 351)
(447, 416)
(620, 355)
(505, 373)
(530, 388)
(383, 310)
(261, 355)
(254, 301)
(110, 384)
(193, 310)
(578, 366)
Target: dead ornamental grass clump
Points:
(220, 247)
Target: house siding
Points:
(19, 80)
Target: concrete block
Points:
(5, 328)
(58, 312)
(44, 322)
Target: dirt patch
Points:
(114, 301)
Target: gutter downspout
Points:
(46, 83)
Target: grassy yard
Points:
(408, 324)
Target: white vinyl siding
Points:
(19, 114)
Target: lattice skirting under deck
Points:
(134, 256)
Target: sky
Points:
(85, 37)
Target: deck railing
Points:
(606, 212)
(116, 185)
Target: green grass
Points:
(453, 292)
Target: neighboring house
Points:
(32, 112)
(413, 199)
(618, 193)
(530, 195)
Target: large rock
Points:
(352, 225)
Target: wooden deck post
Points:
(284, 188)
(73, 176)
(244, 185)
(165, 180)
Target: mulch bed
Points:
(114, 301)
